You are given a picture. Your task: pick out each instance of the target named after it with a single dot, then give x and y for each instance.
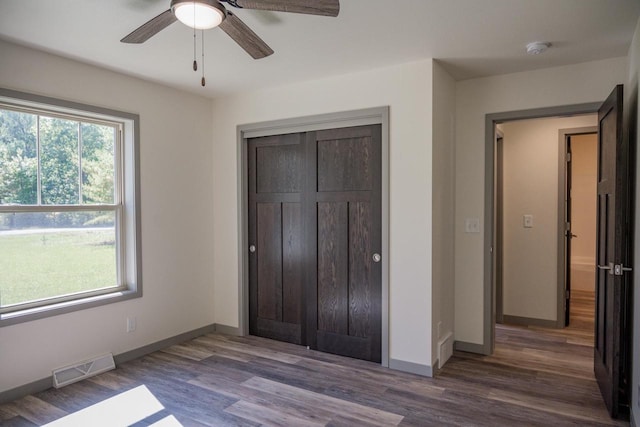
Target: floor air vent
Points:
(79, 371)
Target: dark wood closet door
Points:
(344, 235)
(276, 185)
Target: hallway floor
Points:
(550, 370)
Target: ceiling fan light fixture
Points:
(199, 14)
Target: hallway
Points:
(548, 370)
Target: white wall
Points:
(633, 120)
(530, 187)
(407, 90)
(574, 84)
(444, 92)
(176, 177)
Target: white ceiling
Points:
(471, 38)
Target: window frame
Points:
(126, 205)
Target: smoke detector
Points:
(536, 48)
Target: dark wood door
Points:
(613, 281)
(344, 199)
(276, 186)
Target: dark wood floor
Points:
(535, 378)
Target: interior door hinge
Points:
(568, 157)
(568, 294)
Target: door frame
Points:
(563, 262)
(498, 261)
(489, 276)
(369, 116)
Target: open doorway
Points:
(533, 225)
(581, 180)
(609, 348)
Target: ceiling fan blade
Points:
(150, 28)
(245, 37)
(309, 7)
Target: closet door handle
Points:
(252, 248)
(376, 258)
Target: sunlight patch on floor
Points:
(123, 409)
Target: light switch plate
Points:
(527, 221)
(472, 225)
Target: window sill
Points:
(36, 313)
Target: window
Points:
(69, 216)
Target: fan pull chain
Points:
(203, 81)
(195, 64)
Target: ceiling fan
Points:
(205, 14)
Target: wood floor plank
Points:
(269, 417)
(35, 410)
(17, 422)
(367, 414)
(364, 378)
(578, 412)
(6, 413)
(189, 351)
(149, 369)
(298, 409)
(76, 396)
(113, 380)
(185, 364)
(208, 341)
(251, 350)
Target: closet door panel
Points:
(346, 315)
(292, 262)
(361, 307)
(333, 268)
(269, 254)
(276, 182)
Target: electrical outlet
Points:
(131, 324)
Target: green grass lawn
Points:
(44, 265)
